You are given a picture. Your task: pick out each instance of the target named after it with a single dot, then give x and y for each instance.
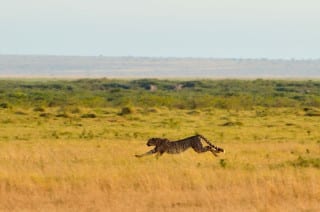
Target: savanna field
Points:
(69, 145)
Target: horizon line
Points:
(164, 57)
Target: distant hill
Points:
(144, 67)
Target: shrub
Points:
(38, 109)
(230, 123)
(88, 115)
(62, 115)
(4, 105)
(223, 163)
(20, 113)
(303, 162)
(153, 110)
(311, 112)
(126, 111)
(44, 114)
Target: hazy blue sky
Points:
(180, 28)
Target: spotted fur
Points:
(163, 145)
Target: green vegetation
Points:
(192, 94)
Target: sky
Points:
(275, 29)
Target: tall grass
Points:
(81, 163)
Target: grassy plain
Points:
(61, 158)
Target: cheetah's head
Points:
(156, 141)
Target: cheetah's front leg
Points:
(147, 153)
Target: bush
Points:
(311, 112)
(223, 163)
(20, 113)
(4, 105)
(62, 115)
(88, 115)
(38, 109)
(195, 94)
(126, 111)
(153, 110)
(44, 114)
(303, 162)
(230, 123)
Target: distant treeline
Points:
(188, 94)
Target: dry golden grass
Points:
(272, 161)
